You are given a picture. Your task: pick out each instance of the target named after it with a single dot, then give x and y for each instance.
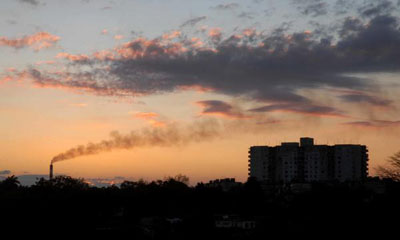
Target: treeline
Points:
(170, 209)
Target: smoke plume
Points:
(170, 135)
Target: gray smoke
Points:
(170, 135)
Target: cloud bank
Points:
(271, 68)
(263, 67)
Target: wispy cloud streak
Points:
(37, 41)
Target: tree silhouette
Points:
(63, 182)
(179, 178)
(10, 183)
(131, 185)
(43, 183)
(69, 182)
(393, 170)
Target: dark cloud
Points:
(372, 47)
(248, 15)
(344, 6)
(374, 123)
(376, 8)
(313, 8)
(193, 21)
(300, 108)
(282, 28)
(136, 33)
(5, 172)
(227, 6)
(79, 82)
(323, 31)
(32, 2)
(351, 26)
(387, 122)
(268, 122)
(269, 12)
(361, 98)
(262, 67)
(366, 8)
(216, 107)
(360, 124)
(273, 71)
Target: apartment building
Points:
(306, 162)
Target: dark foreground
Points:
(170, 209)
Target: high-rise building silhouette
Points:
(306, 162)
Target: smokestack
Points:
(51, 171)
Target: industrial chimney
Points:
(51, 171)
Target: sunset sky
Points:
(208, 78)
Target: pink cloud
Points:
(104, 55)
(45, 63)
(172, 35)
(146, 115)
(72, 57)
(249, 32)
(141, 47)
(14, 75)
(196, 88)
(37, 41)
(5, 79)
(196, 42)
(215, 33)
(80, 105)
(151, 118)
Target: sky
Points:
(145, 89)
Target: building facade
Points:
(306, 162)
